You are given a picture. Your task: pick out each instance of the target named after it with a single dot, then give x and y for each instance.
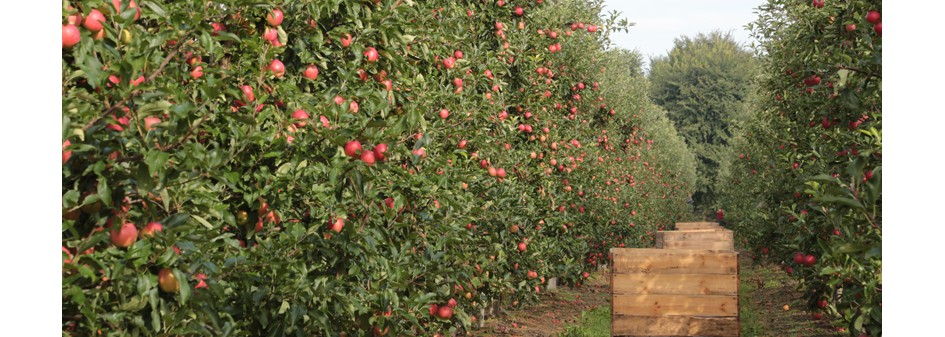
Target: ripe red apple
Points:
(451, 303)
(94, 21)
(301, 116)
(353, 148)
(389, 202)
(810, 260)
(131, 4)
(878, 28)
(167, 281)
(585, 274)
(433, 309)
(818, 3)
(822, 303)
(380, 151)
(444, 113)
(277, 67)
(519, 11)
(151, 122)
(850, 27)
(311, 72)
(463, 143)
(337, 225)
(354, 107)
(197, 72)
(592, 29)
(532, 274)
(449, 62)
(872, 17)
(66, 154)
(271, 34)
(444, 312)
(368, 157)
(458, 54)
(371, 54)
(74, 19)
(248, 92)
(70, 36)
(798, 258)
(346, 40)
(125, 236)
(522, 246)
(500, 173)
(274, 18)
(150, 228)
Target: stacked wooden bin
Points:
(687, 286)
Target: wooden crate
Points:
(713, 239)
(674, 292)
(697, 225)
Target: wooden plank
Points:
(697, 225)
(674, 326)
(664, 261)
(697, 235)
(707, 245)
(676, 305)
(682, 284)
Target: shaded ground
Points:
(555, 311)
(764, 293)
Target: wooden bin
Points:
(697, 225)
(709, 239)
(670, 292)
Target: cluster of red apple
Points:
(354, 150)
(94, 22)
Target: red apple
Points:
(277, 68)
(592, 29)
(66, 154)
(449, 62)
(131, 4)
(519, 11)
(463, 143)
(798, 258)
(451, 303)
(311, 72)
(522, 246)
(150, 122)
(444, 312)
(94, 21)
(248, 93)
(346, 40)
(301, 116)
(337, 225)
(878, 28)
(872, 17)
(444, 113)
(274, 18)
(197, 72)
(150, 228)
(380, 151)
(850, 27)
(818, 3)
(368, 157)
(810, 260)
(271, 34)
(458, 54)
(70, 36)
(125, 236)
(353, 148)
(371, 54)
(167, 281)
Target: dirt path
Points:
(771, 306)
(556, 311)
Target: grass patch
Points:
(750, 320)
(594, 323)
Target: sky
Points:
(659, 22)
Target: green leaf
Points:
(202, 221)
(156, 161)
